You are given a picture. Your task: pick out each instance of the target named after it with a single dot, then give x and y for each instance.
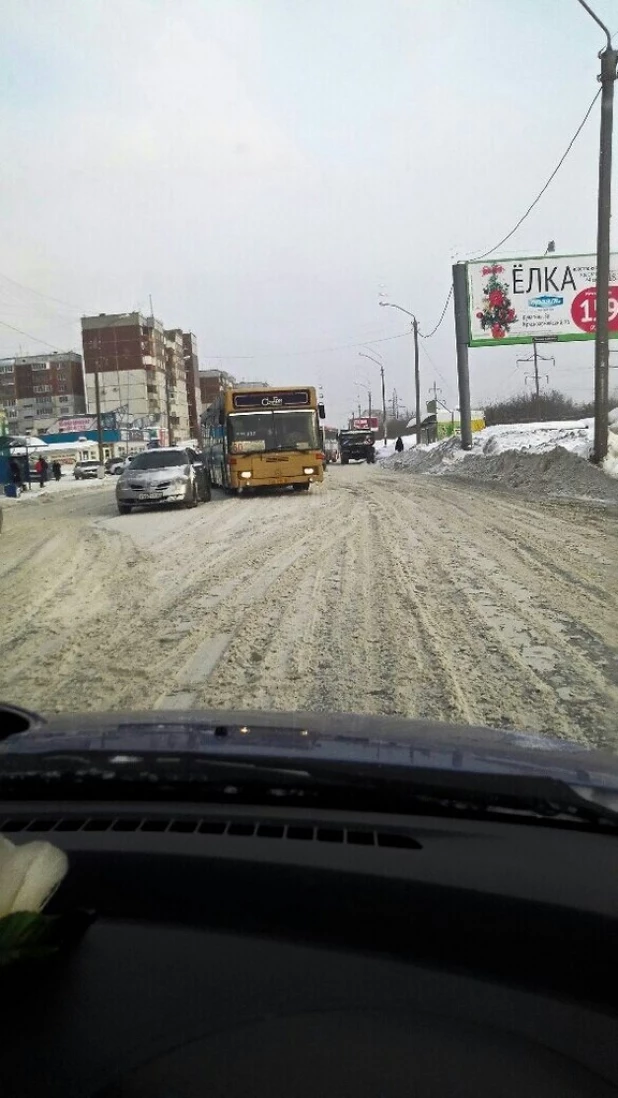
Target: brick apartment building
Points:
(212, 382)
(192, 370)
(178, 406)
(128, 352)
(146, 373)
(36, 390)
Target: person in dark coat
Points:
(399, 444)
(41, 471)
(56, 470)
(15, 472)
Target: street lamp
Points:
(380, 365)
(366, 386)
(417, 378)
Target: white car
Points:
(170, 474)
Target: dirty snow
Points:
(425, 597)
(548, 459)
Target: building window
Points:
(41, 388)
(63, 400)
(39, 365)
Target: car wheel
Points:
(301, 487)
(124, 509)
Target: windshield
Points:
(353, 439)
(266, 431)
(159, 459)
(315, 286)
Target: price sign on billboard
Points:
(584, 309)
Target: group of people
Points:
(41, 469)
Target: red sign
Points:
(584, 309)
(366, 423)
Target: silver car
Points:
(172, 474)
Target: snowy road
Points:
(377, 593)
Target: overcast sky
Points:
(265, 168)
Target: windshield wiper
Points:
(368, 786)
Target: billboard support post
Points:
(460, 302)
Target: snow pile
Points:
(539, 438)
(388, 451)
(541, 458)
(610, 465)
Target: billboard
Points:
(76, 424)
(365, 423)
(541, 298)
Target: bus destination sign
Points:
(272, 398)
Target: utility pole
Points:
(385, 425)
(168, 408)
(609, 63)
(435, 390)
(417, 383)
(417, 377)
(380, 365)
(536, 370)
(536, 377)
(97, 404)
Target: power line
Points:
(29, 336)
(435, 368)
(542, 191)
(293, 354)
(38, 293)
(442, 315)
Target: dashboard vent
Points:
(239, 828)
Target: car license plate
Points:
(151, 495)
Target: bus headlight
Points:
(308, 471)
(246, 476)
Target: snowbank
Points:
(382, 451)
(67, 483)
(547, 458)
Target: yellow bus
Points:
(258, 437)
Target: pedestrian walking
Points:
(56, 470)
(399, 444)
(15, 472)
(41, 471)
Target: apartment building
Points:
(36, 390)
(192, 368)
(126, 353)
(177, 405)
(212, 382)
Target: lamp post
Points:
(365, 385)
(417, 376)
(380, 366)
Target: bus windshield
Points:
(262, 431)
